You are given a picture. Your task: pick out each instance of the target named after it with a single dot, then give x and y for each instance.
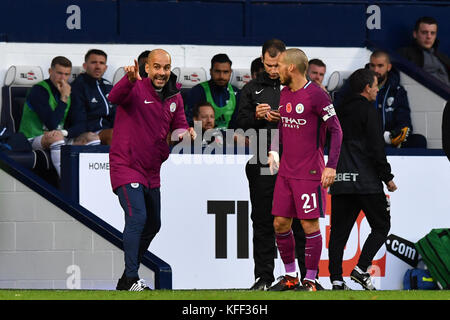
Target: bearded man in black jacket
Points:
(361, 169)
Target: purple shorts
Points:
(302, 199)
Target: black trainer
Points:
(131, 284)
(261, 285)
(339, 285)
(318, 285)
(285, 283)
(363, 278)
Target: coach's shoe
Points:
(285, 283)
(131, 284)
(339, 285)
(318, 285)
(363, 278)
(261, 285)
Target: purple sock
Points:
(313, 249)
(286, 247)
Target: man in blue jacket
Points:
(393, 105)
(90, 95)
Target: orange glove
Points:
(398, 136)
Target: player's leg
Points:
(344, 212)
(377, 211)
(131, 198)
(53, 141)
(310, 204)
(284, 209)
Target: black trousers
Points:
(345, 209)
(264, 247)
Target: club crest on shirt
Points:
(299, 108)
(173, 107)
(288, 107)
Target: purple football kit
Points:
(306, 116)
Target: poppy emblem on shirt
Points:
(289, 108)
(173, 107)
(299, 108)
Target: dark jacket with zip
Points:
(362, 164)
(91, 97)
(263, 89)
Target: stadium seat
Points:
(18, 80)
(118, 75)
(336, 80)
(76, 70)
(189, 77)
(240, 77)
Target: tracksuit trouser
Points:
(345, 209)
(142, 210)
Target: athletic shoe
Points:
(339, 285)
(363, 278)
(131, 284)
(261, 285)
(285, 283)
(308, 285)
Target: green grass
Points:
(221, 295)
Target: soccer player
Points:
(148, 110)
(300, 190)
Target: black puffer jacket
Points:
(362, 162)
(263, 89)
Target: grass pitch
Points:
(223, 295)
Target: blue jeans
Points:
(142, 209)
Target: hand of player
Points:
(391, 186)
(328, 176)
(261, 110)
(64, 90)
(133, 72)
(273, 165)
(273, 116)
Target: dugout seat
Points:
(76, 70)
(118, 75)
(240, 77)
(336, 80)
(18, 81)
(189, 77)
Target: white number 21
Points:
(307, 202)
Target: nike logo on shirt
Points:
(258, 92)
(148, 102)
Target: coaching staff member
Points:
(149, 109)
(361, 169)
(258, 109)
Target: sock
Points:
(55, 155)
(286, 247)
(93, 143)
(313, 249)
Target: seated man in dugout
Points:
(89, 94)
(48, 120)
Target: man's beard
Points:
(286, 81)
(381, 78)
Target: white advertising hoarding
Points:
(205, 201)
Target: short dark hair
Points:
(197, 106)
(427, 20)
(62, 61)
(95, 51)
(317, 62)
(360, 78)
(220, 58)
(273, 47)
(256, 65)
(144, 54)
(381, 53)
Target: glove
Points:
(397, 136)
